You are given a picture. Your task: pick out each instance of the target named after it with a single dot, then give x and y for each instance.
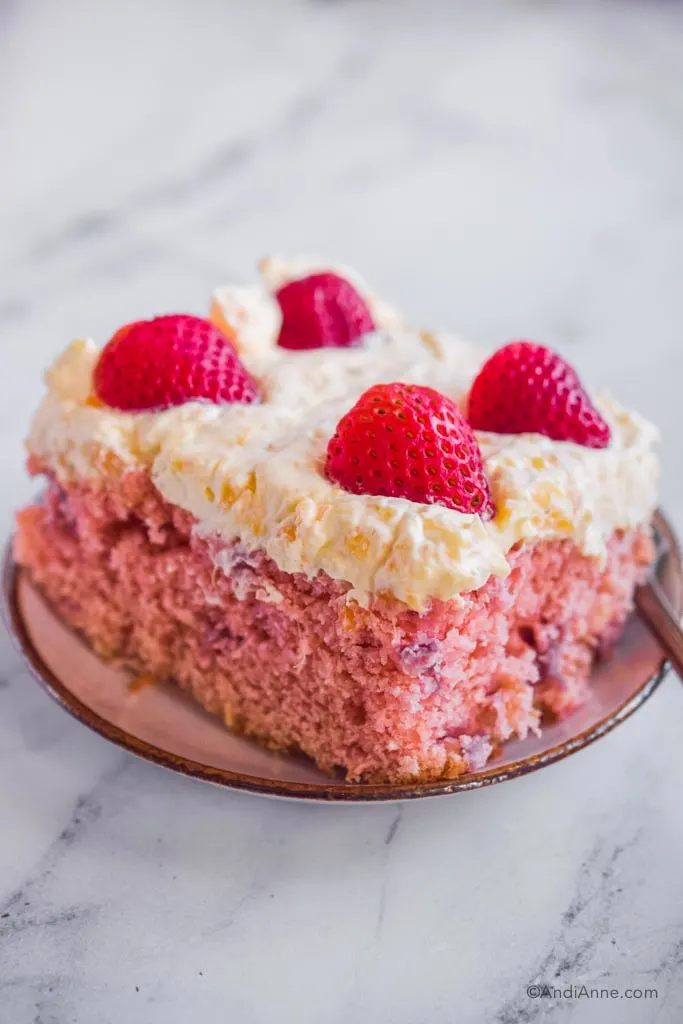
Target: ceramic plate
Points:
(161, 724)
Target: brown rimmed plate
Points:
(161, 724)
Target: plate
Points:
(161, 724)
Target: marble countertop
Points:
(499, 168)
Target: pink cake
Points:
(207, 544)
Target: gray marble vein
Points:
(502, 168)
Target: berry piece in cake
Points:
(407, 441)
(527, 388)
(156, 364)
(322, 311)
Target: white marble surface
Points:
(499, 168)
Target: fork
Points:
(655, 609)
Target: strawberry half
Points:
(527, 388)
(322, 311)
(156, 364)
(407, 441)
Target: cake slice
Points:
(205, 523)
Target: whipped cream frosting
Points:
(256, 472)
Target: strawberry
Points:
(526, 388)
(322, 311)
(156, 364)
(407, 441)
